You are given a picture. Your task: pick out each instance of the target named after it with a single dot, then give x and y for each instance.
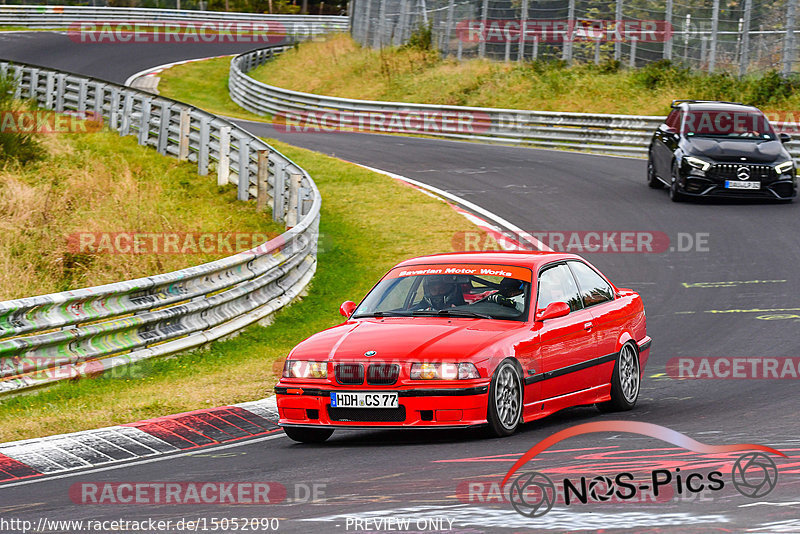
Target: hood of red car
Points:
(429, 339)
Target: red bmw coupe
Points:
(469, 339)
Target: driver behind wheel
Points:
(510, 294)
(440, 292)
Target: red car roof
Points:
(523, 258)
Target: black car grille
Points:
(730, 171)
(373, 415)
(382, 374)
(349, 373)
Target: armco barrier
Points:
(627, 135)
(62, 17)
(86, 331)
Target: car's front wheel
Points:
(652, 179)
(505, 400)
(674, 194)
(308, 435)
(625, 381)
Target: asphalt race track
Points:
(733, 295)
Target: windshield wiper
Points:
(383, 314)
(454, 313)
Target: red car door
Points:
(564, 342)
(608, 316)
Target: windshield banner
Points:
(464, 269)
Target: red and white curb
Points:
(152, 437)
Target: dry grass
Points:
(104, 183)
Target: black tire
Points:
(308, 435)
(626, 381)
(505, 400)
(674, 194)
(652, 180)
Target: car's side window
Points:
(674, 119)
(556, 284)
(593, 287)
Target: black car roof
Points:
(719, 106)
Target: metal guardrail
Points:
(58, 17)
(54, 337)
(625, 135)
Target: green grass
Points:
(369, 222)
(203, 84)
(413, 74)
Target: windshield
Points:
(461, 290)
(728, 124)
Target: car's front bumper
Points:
(697, 186)
(421, 407)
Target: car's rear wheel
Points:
(625, 381)
(674, 194)
(652, 179)
(505, 400)
(308, 435)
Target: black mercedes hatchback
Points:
(720, 149)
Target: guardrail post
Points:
(113, 112)
(127, 109)
(33, 88)
(278, 192)
(17, 82)
(144, 121)
(183, 135)
(60, 87)
(205, 137)
(243, 192)
(99, 99)
(262, 181)
(292, 214)
(165, 117)
(50, 90)
(83, 86)
(224, 164)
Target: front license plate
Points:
(364, 400)
(733, 184)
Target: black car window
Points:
(556, 284)
(593, 288)
(674, 119)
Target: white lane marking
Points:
(518, 232)
(557, 519)
(140, 462)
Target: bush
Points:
(660, 74)
(421, 38)
(15, 146)
(771, 88)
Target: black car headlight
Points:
(697, 163)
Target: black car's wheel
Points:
(625, 381)
(505, 400)
(652, 179)
(308, 435)
(674, 194)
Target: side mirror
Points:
(347, 308)
(553, 310)
(669, 130)
(784, 137)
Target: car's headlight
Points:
(443, 371)
(697, 163)
(786, 166)
(305, 369)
